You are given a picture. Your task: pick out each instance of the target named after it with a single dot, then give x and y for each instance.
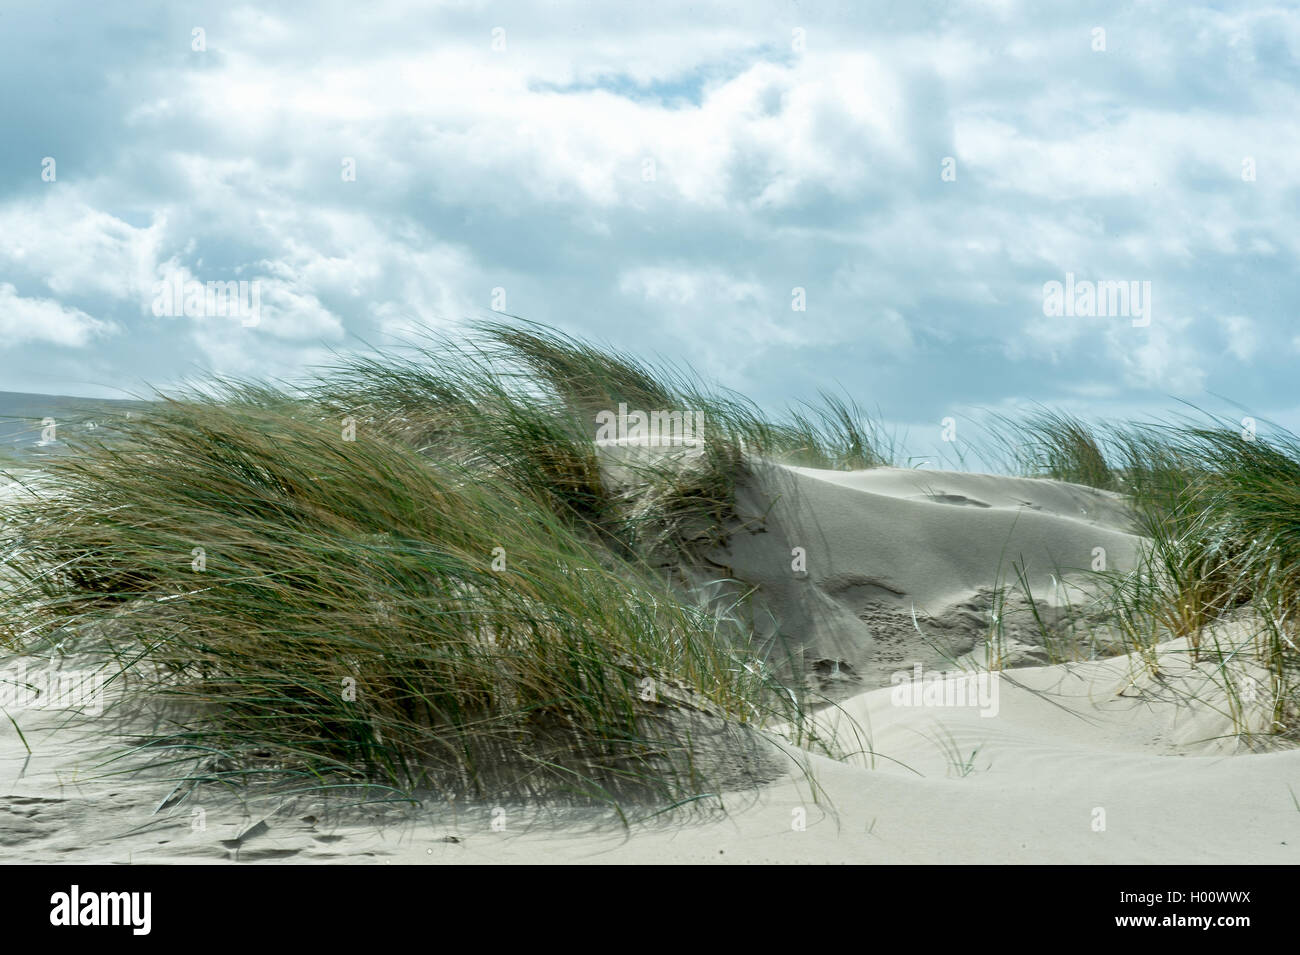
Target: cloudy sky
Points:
(665, 176)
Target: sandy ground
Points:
(1096, 760)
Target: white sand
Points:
(1072, 744)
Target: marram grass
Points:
(1219, 506)
(415, 571)
(308, 604)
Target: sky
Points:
(787, 196)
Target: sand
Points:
(1086, 759)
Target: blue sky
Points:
(794, 145)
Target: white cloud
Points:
(1240, 336)
(44, 320)
(1162, 357)
(76, 249)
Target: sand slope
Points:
(901, 565)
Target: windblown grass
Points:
(417, 570)
(1054, 444)
(311, 605)
(1220, 508)
(1251, 520)
(520, 402)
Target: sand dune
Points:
(890, 553)
(1106, 760)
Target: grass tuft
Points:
(307, 604)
